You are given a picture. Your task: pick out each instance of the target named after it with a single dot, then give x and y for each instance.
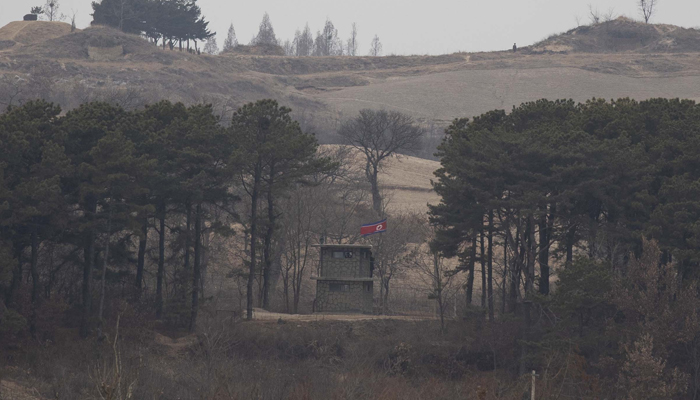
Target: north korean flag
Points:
(371, 229)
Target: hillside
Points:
(623, 34)
(102, 63)
(405, 180)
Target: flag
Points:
(371, 229)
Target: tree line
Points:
(553, 179)
(606, 192)
(81, 193)
(168, 22)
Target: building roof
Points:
(342, 246)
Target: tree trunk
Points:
(140, 264)
(88, 265)
(385, 302)
(35, 279)
(285, 291)
(204, 263)
(570, 238)
(253, 238)
(505, 276)
(531, 250)
(515, 270)
(161, 261)
(482, 259)
(184, 278)
(490, 266)
(104, 270)
(16, 278)
(545, 232)
(197, 262)
(373, 176)
(470, 278)
(267, 251)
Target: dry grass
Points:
(405, 181)
(378, 359)
(29, 32)
(326, 89)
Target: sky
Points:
(404, 27)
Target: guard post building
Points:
(344, 282)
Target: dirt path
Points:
(262, 315)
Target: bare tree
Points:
(352, 41)
(231, 42)
(577, 18)
(303, 42)
(72, 20)
(594, 15)
(609, 15)
(375, 49)
(300, 222)
(210, 47)
(12, 89)
(289, 48)
(51, 10)
(393, 251)
(437, 276)
(379, 135)
(647, 8)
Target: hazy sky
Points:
(404, 26)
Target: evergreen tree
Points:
(304, 42)
(34, 164)
(266, 33)
(271, 153)
(231, 42)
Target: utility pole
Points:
(532, 386)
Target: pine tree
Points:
(272, 152)
(231, 42)
(304, 42)
(266, 33)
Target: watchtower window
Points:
(342, 254)
(339, 287)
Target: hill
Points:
(104, 64)
(623, 34)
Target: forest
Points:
(578, 219)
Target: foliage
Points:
(166, 20)
(266, 33)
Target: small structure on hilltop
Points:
(344, 282)
(31, 17)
